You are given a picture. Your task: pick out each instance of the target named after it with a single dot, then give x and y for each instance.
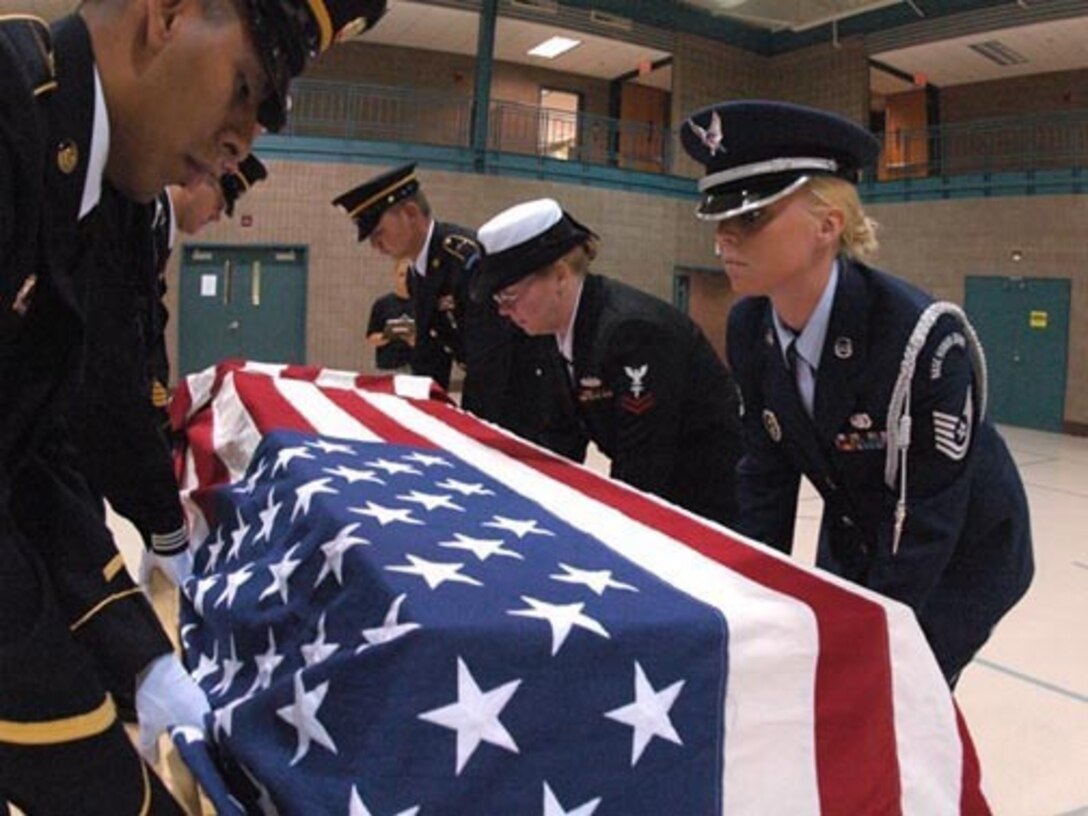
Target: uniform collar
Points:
(99, 152)
(565, 341)
(420, 262)
(810, 342)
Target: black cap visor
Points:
(506, 268)
(730, 200)
(282, 39)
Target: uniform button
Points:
(847, 521)
(434, 332)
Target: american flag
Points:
(399, 609)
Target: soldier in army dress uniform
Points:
(640, 377)
(138, 93)
(505, 376)
(857, 380)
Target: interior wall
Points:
(644, 239)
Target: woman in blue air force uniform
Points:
(857, 380)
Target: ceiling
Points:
(1054, 45)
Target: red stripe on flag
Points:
(376, 420)
(269, 409)
(972, 801)
(856, 756)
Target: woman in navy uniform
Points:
(640, 376)
(139, 94)
(857, 380)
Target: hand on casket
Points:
(167, 696)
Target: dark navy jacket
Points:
(655, 398)
(965, 553)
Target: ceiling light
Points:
(550, 49)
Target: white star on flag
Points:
(435, 573)
(206, 666)
(386, 515)
(267, 663)
(318, 650)
(393, 468)
(224, 717)
(648, 715)
(561, 617)
(482, 548)
(237, 537)
(231, 666)
(465, 488)
(268, 517)
(519, 527)
(333, 447)
(427, 460)
(391, 628)
(356, 806)
(281, 571)
(203, 585)
(431, 501)
(334, 550)
(353, 475)
(235, 580)
(475, 715)
(302, 714)
(597, 580)
(287, 455)
(214, 549)
(553, 808)
(250, 484)
(305, 494)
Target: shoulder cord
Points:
(899, 416)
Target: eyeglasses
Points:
(505, 298)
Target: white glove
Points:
(166, 695)
(176, 567)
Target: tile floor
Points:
(1025, 697)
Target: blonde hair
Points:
(858, 239)
(580, 257)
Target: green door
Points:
(1024, 327)
(241, 301)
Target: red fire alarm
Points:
(247, 220)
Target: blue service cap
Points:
(234, 184)
(289, 32)
(366, 203)
(756, 152)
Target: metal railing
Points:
(377, 113)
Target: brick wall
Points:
(933, 244)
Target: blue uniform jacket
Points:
(965, 554)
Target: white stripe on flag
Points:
(234, 433)
(321, 412)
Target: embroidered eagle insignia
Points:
(711, 135)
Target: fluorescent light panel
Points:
(553, 47)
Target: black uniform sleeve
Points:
(767, 482)
(123, 452)
(943, 427)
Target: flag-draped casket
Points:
(399, 609)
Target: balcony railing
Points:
(376, 113)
